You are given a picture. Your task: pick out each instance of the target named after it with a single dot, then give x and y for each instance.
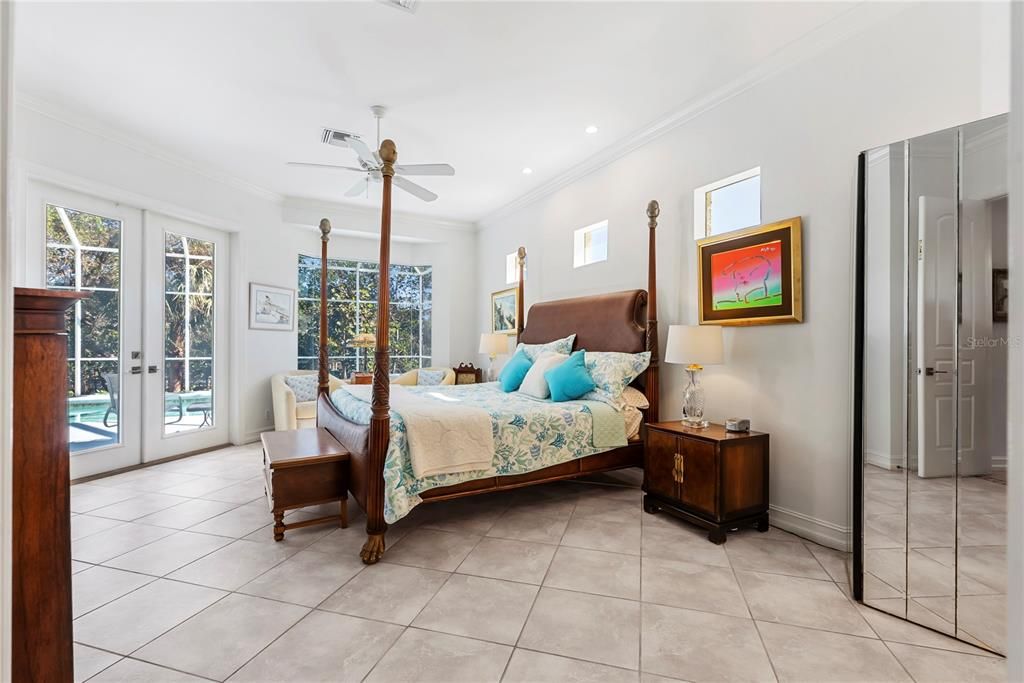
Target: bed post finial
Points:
(520, 291)
(380, 421)
(323, 381)
(651, 388)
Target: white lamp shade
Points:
(694, 344)
(493, 344)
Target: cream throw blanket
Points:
(445, 436)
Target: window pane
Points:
(200, 375)
(174, 244)
(174, 325)
(309, 327)
(309, 282)
(201, 325)
(174, 274)
(174, 376)
(95, 374)
(100, 325)
(60, 267)
(55, 231)
(101, 269)
(735, 206)
(590, 244)
(198, 247)
(201, 276)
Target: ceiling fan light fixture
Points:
(590, 130)
(404, 5)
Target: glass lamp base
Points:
(695, 424)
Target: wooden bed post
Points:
(520, 288)
(651, 388)
(380, 422)
(323, 384)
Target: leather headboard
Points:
(603, 322)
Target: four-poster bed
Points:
(623, 322)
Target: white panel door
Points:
(937, 337)
(185, 337)
(79, 242)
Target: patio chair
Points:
(113, 382)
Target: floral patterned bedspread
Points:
(529, 434)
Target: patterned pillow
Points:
(430, 378)
(562, 346)
(612, 372)
(303, 386)
(635, 398)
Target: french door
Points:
(145, 379)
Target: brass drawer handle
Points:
(679, 469)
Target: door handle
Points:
(679, 469)
(933, 371)
(136, 369)
(153, 369)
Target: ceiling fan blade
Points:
(424, 169)
(362, 151)
(334, 166)
(414, 189)
(359, 188)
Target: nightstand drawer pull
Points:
(679, 469)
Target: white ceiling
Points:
(241, 88)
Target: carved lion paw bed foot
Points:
(373, 549)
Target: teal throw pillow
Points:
(514, 371)
(571, 379)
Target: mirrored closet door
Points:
(930, 422)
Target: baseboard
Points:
(999, 463)
(882, 460)
(813, 529)
(251, 436)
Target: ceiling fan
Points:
(370, 163)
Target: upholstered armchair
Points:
(412, 377)
(292, 411)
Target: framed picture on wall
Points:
(752, 276)
(1000, 295)
(503, 311)
(271, 308)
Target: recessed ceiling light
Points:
(527, 171)
(590, 130)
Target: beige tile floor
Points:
(177, 578)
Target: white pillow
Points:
(303, 386)
(534, 383)
(634, 398)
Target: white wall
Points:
(267, 234)
(918, 71)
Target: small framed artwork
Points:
(504, 311)
(752, 276)
(271, 308)
(1000, 295)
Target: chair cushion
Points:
(514, 371)
(303, 386)
(569, 380)
(305, 410)
(534, 384)
(430, 378)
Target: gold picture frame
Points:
(752, 276)
(505, 311)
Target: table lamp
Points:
(363, 340)
(492, 345)
(694, 346)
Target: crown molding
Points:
(136, 144)
(832, 32)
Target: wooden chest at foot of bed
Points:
(710, 477)
(304, 467)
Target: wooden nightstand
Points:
(304, 467)
(710, 477)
